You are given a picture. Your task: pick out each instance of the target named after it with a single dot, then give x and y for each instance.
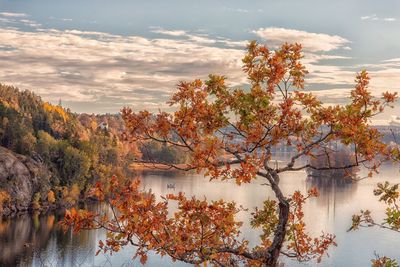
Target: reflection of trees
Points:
(335, 186)
(334, 193)
(160, 172)
(30, 239)
(339, 189)
(30, 235)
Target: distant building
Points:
(103, 125)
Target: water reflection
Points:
(332, 190)
(30, 232)
(36, 240)
(23, 230)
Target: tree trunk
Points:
(280, 232)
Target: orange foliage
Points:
(51, 198)
(4, 198)
(229, 134)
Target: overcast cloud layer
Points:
(96, 71)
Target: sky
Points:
(99, 55)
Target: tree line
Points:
(78, 149)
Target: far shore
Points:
(156, 167)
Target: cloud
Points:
(242, 10)
(332, 96)
(30, 23)
(14, 15)
(101, 72)
(386, 79)
(312, 42)
(110, 70)
(392, 60)
(374, 17)
(168, 32)
(389, 19)
(200, 38)
(371, 17)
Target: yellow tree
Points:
(230, 134)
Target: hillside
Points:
(72, 151)
(76, 149)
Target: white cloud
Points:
(242, 10)
(168, 32)
(386, 79)
(15, 15)
(200, 38)
(333, 95)
(8, 21)
(389, 19)
(392, 60)
(108, 69)
(99, 72)
(370, 17)
(30, 23)
(374, 17)
(312, 42)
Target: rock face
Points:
(22, 177)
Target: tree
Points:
(4, 198)
(51, 197)
(75, 164)
(75, 192)
(36, 201)
(229, 134)
(46, 145)
(28, 143)
(71, 196)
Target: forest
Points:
(74, 150)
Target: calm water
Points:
(36, 240)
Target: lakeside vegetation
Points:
(74, 150)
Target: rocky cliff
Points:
(21, 177)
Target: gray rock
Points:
(22, 177)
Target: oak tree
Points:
(231, 133)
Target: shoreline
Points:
(157, 167)
(60, 207)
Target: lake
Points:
(36, 240)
